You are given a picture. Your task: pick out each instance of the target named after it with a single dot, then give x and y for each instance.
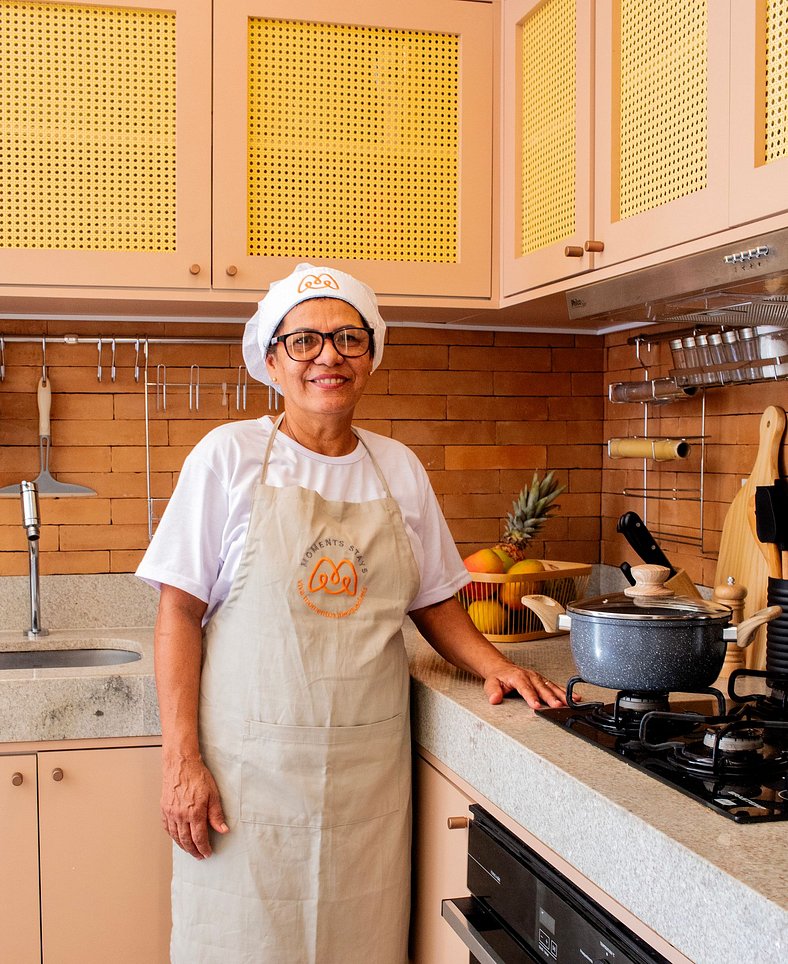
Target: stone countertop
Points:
(80, 703)
(714, 889)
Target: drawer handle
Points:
(595, 246)
(194, 269)
(17, 779)
(573, 251)
(231, 270)
(457, 823)
(57, 774)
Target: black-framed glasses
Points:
(306, 344)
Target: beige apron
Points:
(304, 725)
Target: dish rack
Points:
(504, 619)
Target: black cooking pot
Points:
(646, 638)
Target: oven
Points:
(521, 909)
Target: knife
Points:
(634, 530)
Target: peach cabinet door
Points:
(105, 860)
(106, 149)
(440, 865)
(20, 939)
(759, 110)
(662, 124)
(357, 135)
(547, 157)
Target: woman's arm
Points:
(190, 799)
(447, 627)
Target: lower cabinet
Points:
(86, 864)
(440, 859)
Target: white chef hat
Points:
(307, 281)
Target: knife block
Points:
(777, 629)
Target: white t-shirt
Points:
(198, 543)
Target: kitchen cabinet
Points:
(19, 904)
(688, 135)
(358, 136)
(355, 135)
(87, 831)
(106, 143)
(547, 155)
(440, 861)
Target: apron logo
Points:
(314, 282)
(327, 583)
(333, 579)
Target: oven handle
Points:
(464, 915)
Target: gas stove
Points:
(730, 754)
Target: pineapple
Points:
(530, 510)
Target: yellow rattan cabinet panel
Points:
(87, 119)
(548, 113)
(358, 135)
(353, 142)
(105, 148)
(772, 83)
(662, 105)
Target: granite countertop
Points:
(714, 889)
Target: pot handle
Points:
(546, 609)
(744, 632)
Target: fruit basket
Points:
(493, 599)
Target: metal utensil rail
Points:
(159, 383)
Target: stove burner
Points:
(642, 702)
(774, 706)
(743, 741)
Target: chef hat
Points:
(307, 281)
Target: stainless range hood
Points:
(742, 284)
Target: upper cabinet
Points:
(358, 135)
(105, 143)
(547, 140)
(144, 147)
(759, 109)
(689, 107)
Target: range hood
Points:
(744, 284)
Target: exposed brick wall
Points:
(482, 410)
(733, 417)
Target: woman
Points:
(287, 559)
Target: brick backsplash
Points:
(481, 409)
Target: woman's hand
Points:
(537, 691)
(190, 803)
(447, 627)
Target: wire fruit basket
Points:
(493, 599)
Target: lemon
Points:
(512, 592)
(488, 616)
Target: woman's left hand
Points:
(537, 691)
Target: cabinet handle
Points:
(231, 270)
(17, 779)
(57, 774)
(596, 246)
(457, 823)
(194, 269)
(573, 251)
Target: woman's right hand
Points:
(190, 804)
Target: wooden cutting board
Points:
(741, 555)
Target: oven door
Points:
(484, 936)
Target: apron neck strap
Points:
(374, 461)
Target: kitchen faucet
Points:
(32, 523)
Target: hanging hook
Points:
(43, 361)
(98, 372)
(2, 359)
(194, 384)
(136, 359)
(161, 382)
(240, 389)
(112, 370)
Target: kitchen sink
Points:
(57, 658)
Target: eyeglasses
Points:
(306, 344)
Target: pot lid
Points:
(619, 605)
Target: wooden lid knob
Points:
(649, 582)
